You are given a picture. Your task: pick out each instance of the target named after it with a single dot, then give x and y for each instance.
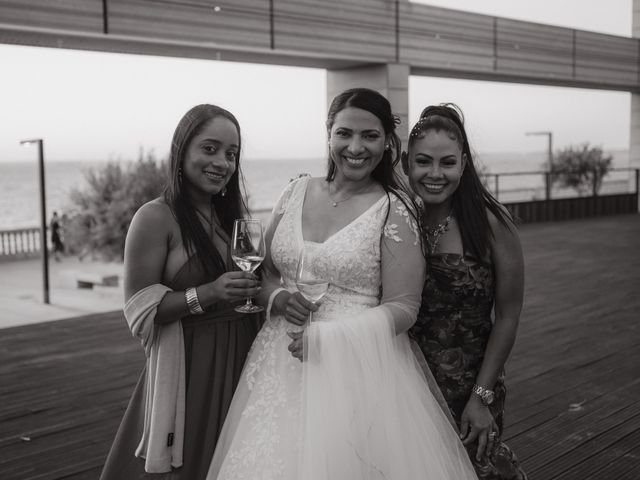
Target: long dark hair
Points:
(471, 199)
(227, 207)
(385, 172)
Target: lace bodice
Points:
(375, 268)
(350, 259)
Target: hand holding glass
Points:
(309, 285)
(247, 251)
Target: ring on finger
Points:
(492, 436)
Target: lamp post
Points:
(549, 147)
(43, 217)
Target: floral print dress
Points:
(452, 330)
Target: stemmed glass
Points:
(247, 251)
(309, 285)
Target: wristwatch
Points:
(486, 396)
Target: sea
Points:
(264, 179)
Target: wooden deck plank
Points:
(618, 459)
(569, 465)
(65, 384)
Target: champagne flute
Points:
(309, 285)
(247, 251)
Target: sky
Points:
(95, 106)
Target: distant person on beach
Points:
(57, 246)
(180, 290)
(342, 397)
(474, 266)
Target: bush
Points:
(581, 168)
(104, 209)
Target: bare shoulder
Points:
(505, 241)
(497, 227)
(154, 216)
(316, 187)
(315, 183)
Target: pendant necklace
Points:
(433, 235)
(335, 203)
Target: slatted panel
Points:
(607, 58)
(333, 34)
(241, 23)
(442, 38)
(333, 27)
(75, 15)
(574, 208)
(532, 49)
(455, 41)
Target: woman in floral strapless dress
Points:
(474, 263)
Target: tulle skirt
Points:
(359, 407)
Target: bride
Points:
(358, 405)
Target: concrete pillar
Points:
(391, 80)
(634, 137)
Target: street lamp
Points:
(550, 147)
(43, 217)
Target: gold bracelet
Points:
(193, 304)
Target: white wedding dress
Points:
(358, 408)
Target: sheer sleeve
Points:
(271, 285)
(402, 266)
(368, 411)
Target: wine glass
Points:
(309, 285)
(247, 251)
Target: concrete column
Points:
(634, 137)
(391, 80)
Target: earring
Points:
(223, 192)
(387, 146)
(180, 174)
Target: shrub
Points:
(581, 168)
(104, 209)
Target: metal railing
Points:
(544, 187)
(25, 242)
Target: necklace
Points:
(433, 235)
(335, 203)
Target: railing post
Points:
(497, 190)
(638, 188)
(547, 195)
(547, 186)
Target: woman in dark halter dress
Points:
(182, 242)
(474, 266)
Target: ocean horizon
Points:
(264, 179)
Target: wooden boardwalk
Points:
(574, 387)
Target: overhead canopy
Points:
(331, 34)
